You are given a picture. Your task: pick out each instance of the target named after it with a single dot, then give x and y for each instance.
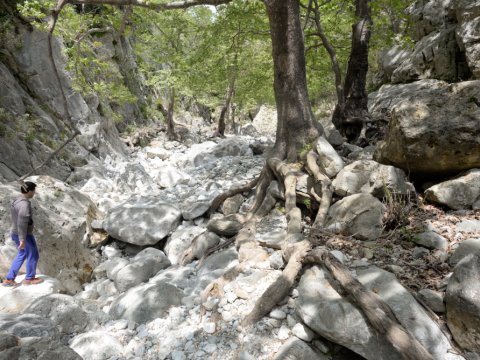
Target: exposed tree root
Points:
(232, 192)
(326, 184)
(378, 313)
(299, 252)
(281, 287)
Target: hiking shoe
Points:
(32, 281)
(10, 283)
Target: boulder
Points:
(142, 267)
(433, 127)
(228, 225)
(462, 192)
(16, 300)
(146, 302)
(324, 310)
(62, 218)
(434, 57)
(142, 220)
(468, 32)
(359, 215)
(169, 176)
(368, 176)
(265, 122)
(28, 325)
(463, 303)
(97, 345)
(295, 349)
(465, 248)
(180, 240)
(63, 310)
(328, 159)
(40, 349)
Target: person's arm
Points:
(23, 218)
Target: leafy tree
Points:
(234, 55)
(164, 44)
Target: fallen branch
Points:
(50, 157)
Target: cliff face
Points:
(447, 44)
(33, 120)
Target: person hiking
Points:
(21, 233)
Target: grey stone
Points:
(295, 349)
(142, 220)
(433, 299)
(452, 144)
(146, 302)
(142, 267)
(97, 345)
(328, 159)
(462, 192)
(368, 176)
(63, 310)
(28, 325)
(463, 303)
(469, 226)
(232, 204)
(465, 248)
(8, 341)
(431, 240)
(40, 349)
(359, 215)
(229, 225)
(61, 222)
(328, 314)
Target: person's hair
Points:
(27, 186)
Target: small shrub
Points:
(398, 209)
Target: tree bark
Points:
(349, 115)
(223, 112)
(296, 125)
(168, 115)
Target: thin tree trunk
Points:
(221, 119)
(167, 113)
(331, 52)
(349, 116)
(170, 124)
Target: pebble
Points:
(278, 314)
(283, 333)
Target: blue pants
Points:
(30, 253)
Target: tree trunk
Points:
(170, 124)
(331, 52)
(349, 115)
(223, 113)
(168, 115)
(296, 125)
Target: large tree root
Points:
(378, 313)
(232, 192)
(299, 252)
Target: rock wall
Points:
(447, 44)
(33, 120)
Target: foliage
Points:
(336, 19)
(94, 71)
(197, 53)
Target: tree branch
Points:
(185, 4)
(77, 132)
